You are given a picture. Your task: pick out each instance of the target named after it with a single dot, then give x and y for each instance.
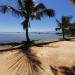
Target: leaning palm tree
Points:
(63, 25)
(28, 9)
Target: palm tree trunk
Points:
(63, 33)
(27, 36)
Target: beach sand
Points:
(55, 57)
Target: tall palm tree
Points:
(28, 9)
(65, 22)
(26, 61)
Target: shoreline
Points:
(36, 41)
(13, 45)
(17, 45)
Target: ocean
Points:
(8, 37)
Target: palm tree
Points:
(28, 9)
(26, 61)
(65, 22)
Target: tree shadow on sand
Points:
(68, 39)
(24, 60)
(25, 46)
(63, 70)
(46, 43)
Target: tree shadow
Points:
(67, 71)
(54, 70)
(63, 70)
(45, 44)
(68, 39)
(72, 39)
(32, 60)
(25, 45)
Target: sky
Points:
(10, 23)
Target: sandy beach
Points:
(55, 57)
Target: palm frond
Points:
(28, 6)
(57, 29)
(48, 12)
(40, 14)
(37, 16)
(66, 19)
(24, 24)
(6, 8)
(39, 7)
(58, 23)
(15, 11)
(21, 7)
(20, 4)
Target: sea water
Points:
(7, 37)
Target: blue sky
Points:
(9, 23)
